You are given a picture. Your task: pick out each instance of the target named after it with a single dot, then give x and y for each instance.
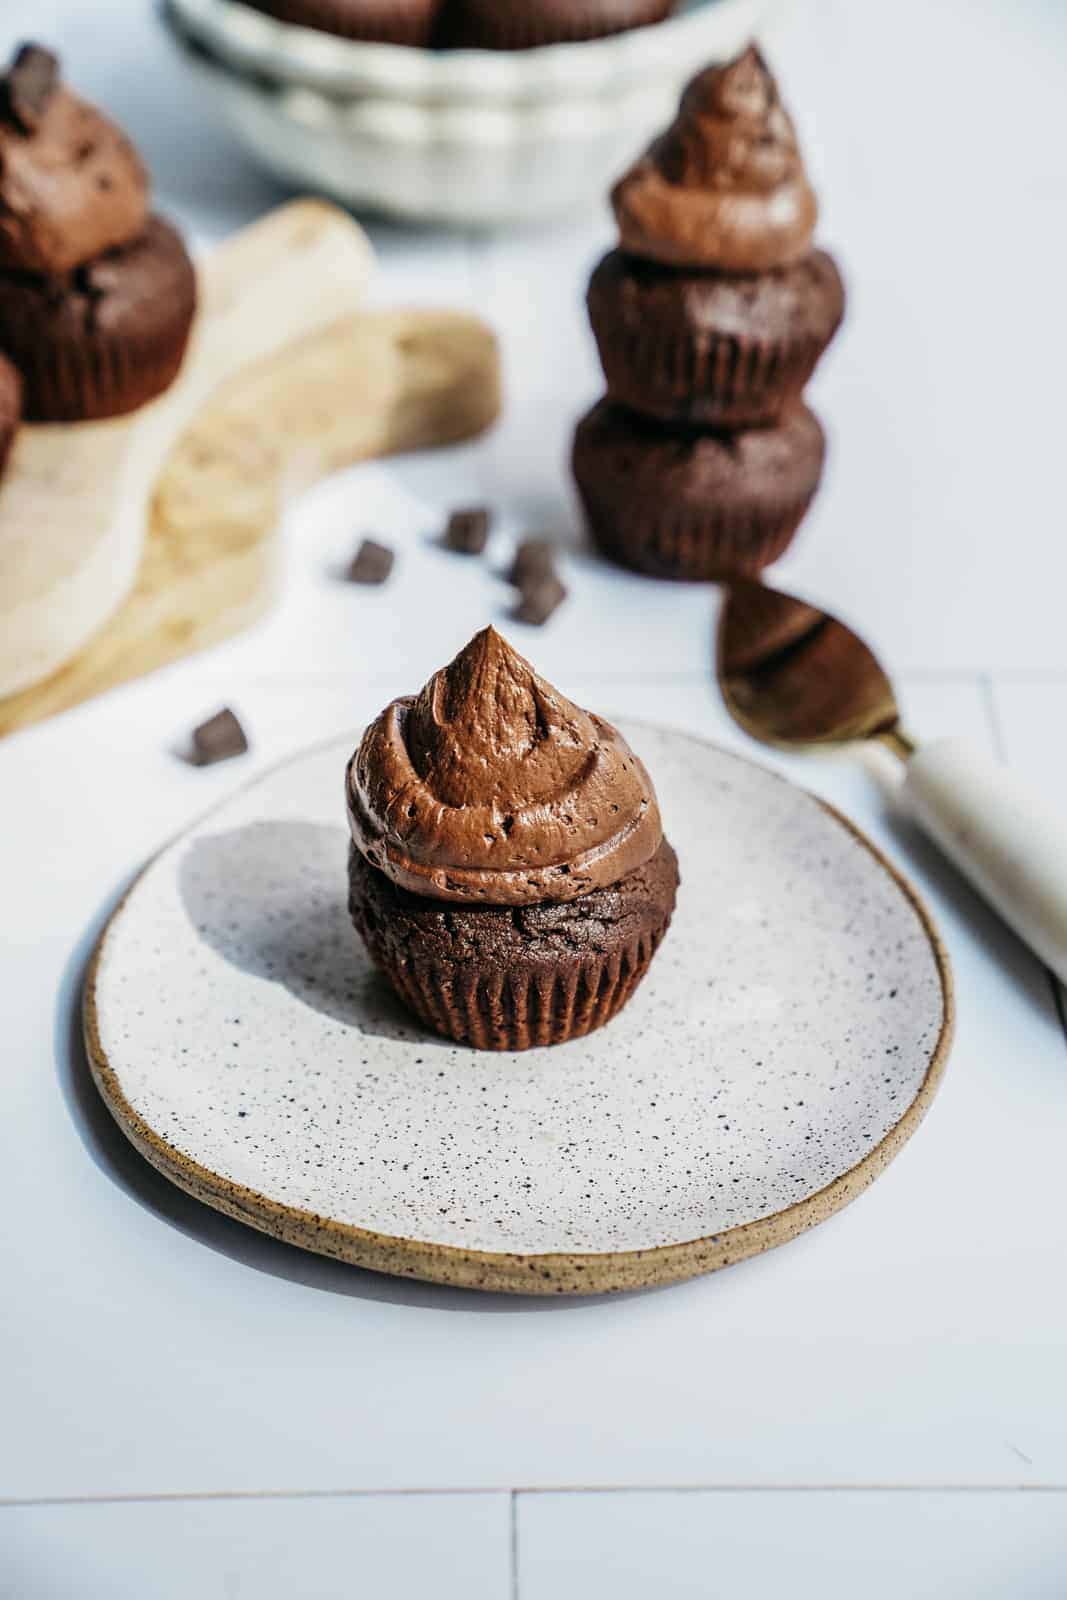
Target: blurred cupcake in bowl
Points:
(471, 112)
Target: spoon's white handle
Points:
(1003, 836)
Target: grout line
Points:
(209, 1496)
(472, 262)
(1059, 1000)
(693, 675)
(1055, 675)
(696, 675)
(1000, 747)
(968, 674)
(1009, 1487)
(513, 1510)
(1012, 1486)
(996, 731)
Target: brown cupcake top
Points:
(725, 186)
(491, 788)
(71, 183)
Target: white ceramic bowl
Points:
(466, 136)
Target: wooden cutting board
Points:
(366, 385)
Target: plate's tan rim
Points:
(563, 1273)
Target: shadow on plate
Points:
(269, 898)
(138, 1179)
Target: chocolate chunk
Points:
(28, 85)
(534, 559)
(372, 563)
(539, 600)
(468, 530)
(218, 739)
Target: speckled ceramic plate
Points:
(788, 1039)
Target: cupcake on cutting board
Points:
(97, 295)
(710, 319)
(508, 871)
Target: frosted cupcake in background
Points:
(97, 295)
(710, 319)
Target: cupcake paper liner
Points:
(714, 381)
(694, 547)
(10, 408)
(712, 349)
(75, 370)
(520, 1010)
(654, 506)
(531, 998)
(98, 378)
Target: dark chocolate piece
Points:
(219, 739)
(534, 559)
(372, 563)
(28, 85)
(468, 530)
(539, 599)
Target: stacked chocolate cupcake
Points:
(97, 296)
(702, 460)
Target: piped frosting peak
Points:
(724, 187)
(491, 788)
(71, 184)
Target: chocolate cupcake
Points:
(720, 350)
(695, 505)
(497, 25)
(373, 21)
(710, 319)
(108, 338)
(96, 297)
(10, 408)
(508, 871)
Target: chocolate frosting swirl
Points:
(490, 788)
(71, 184)
(725, 186)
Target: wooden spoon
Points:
(794, 677)
(75, 499)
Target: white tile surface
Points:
(751, 1546)
(150, 1346)
(453, 1547)
(1032, 721)
(936, 510)
(916, 1337)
